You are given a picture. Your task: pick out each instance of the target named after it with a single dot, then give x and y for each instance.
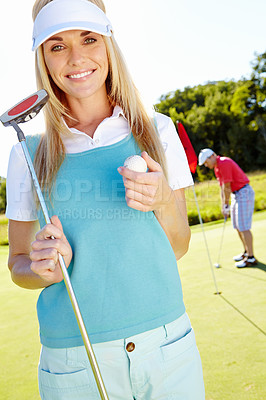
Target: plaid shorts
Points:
(242, 207)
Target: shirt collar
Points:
(117, 112)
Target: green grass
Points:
(228, 327)
(19, 342)
(3, 230)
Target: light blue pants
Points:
(161, 364)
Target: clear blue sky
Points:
(168, 44)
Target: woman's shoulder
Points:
(165, 127)
(162, 121)
(179, 175)
(32, 142)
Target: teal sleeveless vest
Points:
(123, 270)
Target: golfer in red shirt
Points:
(234, 182)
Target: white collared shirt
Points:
(20, 198)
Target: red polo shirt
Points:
(227, 170)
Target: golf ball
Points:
(136, 163)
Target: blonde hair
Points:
(121, 91)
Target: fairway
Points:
(230, 328)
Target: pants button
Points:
(130, 347)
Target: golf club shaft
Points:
(87, 344)
(206, 244)
(221, 244)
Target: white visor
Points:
(64, 15)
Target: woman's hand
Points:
(149, 191)
(45, 251)
(146, 191)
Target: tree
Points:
(258, 105)
(227, 116)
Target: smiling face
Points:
(77, 63)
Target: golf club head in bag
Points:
(25, 110)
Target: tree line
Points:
(227, 116)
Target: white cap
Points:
(204, 154)
(64, 15)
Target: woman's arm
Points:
(173, 219)
(151, 192)
(33, 257)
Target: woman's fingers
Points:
(151, 164)
(52, 236)
(49, 231)
(50, 241)
(145, 199)
(137, 205)
(58, 245)
(145, 194)
(146, 191)
(42, 266)
(143, 178)
(49, 253)
(56, 222)
(48, 271)
(45, 264)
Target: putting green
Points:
(230, 328)
(19, 342)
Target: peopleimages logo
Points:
(65, 190)
(81, 188)
(114, 191)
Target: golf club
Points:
(23, 112)
(217, 265)
(206, 244)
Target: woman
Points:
(119, 231)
